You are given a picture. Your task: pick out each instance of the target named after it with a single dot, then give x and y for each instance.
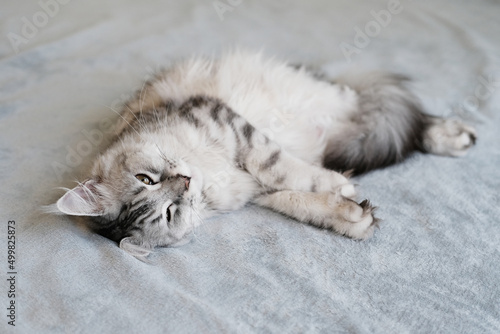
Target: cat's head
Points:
(138, 196)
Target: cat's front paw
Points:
(363, 221)
(354, 220)
(338, 182)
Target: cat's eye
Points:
(144, 179)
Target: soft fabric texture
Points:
(434, 265)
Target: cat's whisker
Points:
(88, 192)
(141, 122)
(119, 113)
(141, 100)
(133, 114)
(62, 188)
(197, 226)
(162, 154)
(127, 122)
(113, 187)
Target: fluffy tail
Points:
(386, 127)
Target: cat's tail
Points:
(386, 127)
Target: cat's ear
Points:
(83, 200)
(129, 245)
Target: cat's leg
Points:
(389, 125)
(276, 169)
(325, 210)
(447, 137)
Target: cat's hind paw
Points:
(449, 137)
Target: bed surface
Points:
(432, 267)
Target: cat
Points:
(209, 136)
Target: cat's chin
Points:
(184, 240)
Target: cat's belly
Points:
(302, 126)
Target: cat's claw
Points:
(354, 220)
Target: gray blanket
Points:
(432, 267)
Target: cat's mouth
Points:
(169, 213)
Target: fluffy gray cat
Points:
(209, 136)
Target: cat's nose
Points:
(187, 180)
